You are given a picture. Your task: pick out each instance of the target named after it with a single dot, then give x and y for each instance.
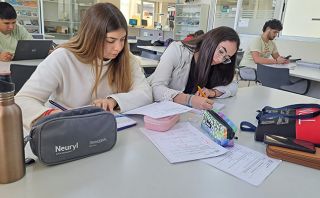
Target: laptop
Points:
(32, 49)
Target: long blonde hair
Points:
(88, 45)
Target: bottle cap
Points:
(5, 76)
(6, 84)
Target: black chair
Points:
(143, 42)
(245, 73)
(134, 46)
(279, 78)
(150, 55)
(20, 74)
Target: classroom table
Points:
(5, 66)
(147, 62)
(132, 41)
(157, 49)
(304, 72)
(309, 73)
(135, 168)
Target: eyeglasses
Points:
(225, 58)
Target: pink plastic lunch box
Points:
(160, 124)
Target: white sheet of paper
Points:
(160, 109)
(245, 163)
(184, 143)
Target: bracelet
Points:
(189, 104)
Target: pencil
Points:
(201, 92)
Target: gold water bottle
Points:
(12, 167)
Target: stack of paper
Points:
(160, 109)
(184, 143)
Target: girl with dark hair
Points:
(207, 61)
(94, 67)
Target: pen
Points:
(57, 105)
(201, 92)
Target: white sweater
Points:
(171, 75)
(64, 79)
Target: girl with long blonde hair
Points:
(94, 67)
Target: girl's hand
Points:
(108, 104)
(210, 93)
(201, 103)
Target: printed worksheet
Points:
(216, 107)
(245, 163)
(160, 109)
(184, 143)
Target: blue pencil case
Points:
(219, 128)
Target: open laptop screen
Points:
(32, 49)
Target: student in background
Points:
(194, 35)
(207, 61)
(94, 67)
(10, 32)
(263, 49)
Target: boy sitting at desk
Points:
(264, 47)
(10, 32)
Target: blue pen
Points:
(57, 105)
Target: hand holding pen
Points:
(201, 101)
(200, 92)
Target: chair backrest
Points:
(143, 42)
(20, 74)
(239, 57)
(272, 76)
(146, 54)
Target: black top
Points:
(191, 87)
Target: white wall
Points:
(306, 50)
(298, 18)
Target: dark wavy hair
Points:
(206, 45)
(274, 24)
(7, 11)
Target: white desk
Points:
(147, 62)
(5, 66)
(304, 72)
(132, 41)
(158, 49)
(135, 168)
(309, 73)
